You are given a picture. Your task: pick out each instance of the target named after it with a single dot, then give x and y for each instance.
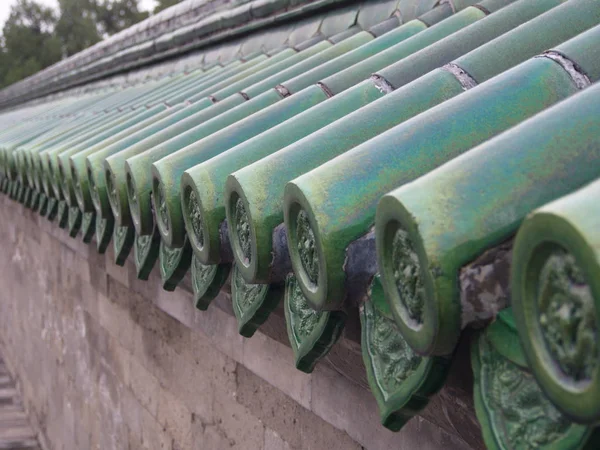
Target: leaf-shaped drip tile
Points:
(145, 252)
(88, 226)
(75, 220)
(52, 209)
(123, 238)
(174, 263)
(25, 195)
(30, 198)
(42, 205)
(207, 281)
(252, 303)
(400, 380)
(35, 200)
(104, 232)
(63, 214)
(15, 190)
(311, 333)
(513, 411)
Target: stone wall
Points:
(105, 361)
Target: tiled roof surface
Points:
(380, 156)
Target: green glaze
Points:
(61, 133)
(302, 61)
(123, 239)
(24, 195)
(49, 156)
(174, 263)
(556, 297)
(207, 282)
(172, 88)
(104, 233)
(75, 220)
(203, 200)
(136, 183)
(511, 408)
(43, 205)
(93, 176)
(14, 189)
(252, 303)
(229, 74)
(467, 192)
(311, 333)
(401, 381)
(7, 186)
(43, 174)
(18, 191)
(52, 209)
(168, 171)
(499, 41)
(183, 92)
(356, 73)
(114, 165)
(34, 204)
(88, 226)
(215, 75)
(142, 208)
(294, 80)
(124, 138)
(64, 132)
(28, 197)
(238, 75)
(260, 184)
(9, 165)
(145, 251)
(556, 26)
(147, 95)
(359, 177)
(109, 136)
(62, 214)
(76, 134)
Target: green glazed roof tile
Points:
(400, 380)
(471, 197)
(146, 250)
(555, 268)
(511, 408)
(173, 263)
(453, 116)
(311, 333)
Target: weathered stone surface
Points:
(274, 442)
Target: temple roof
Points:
(427, 166)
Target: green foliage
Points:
(35, 37)
(77, 27)
(28, 44)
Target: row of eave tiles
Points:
(365, 170)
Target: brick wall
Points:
(105, 361)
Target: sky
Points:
(145, 5)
